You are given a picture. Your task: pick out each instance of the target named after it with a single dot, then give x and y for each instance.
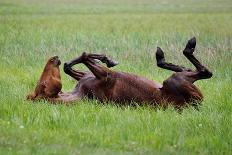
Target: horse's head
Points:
(54, 61)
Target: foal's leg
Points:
(169, 66)
(202, 72)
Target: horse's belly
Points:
(124, 92)
(123, 88)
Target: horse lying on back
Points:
(104, 84)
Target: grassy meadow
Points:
(128, 31)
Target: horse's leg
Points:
(202, 72)
(103, 58)
(109, 62)
(180, 91)
(75, 61)
(169, 66)
(79, 74)
(88, 59)
(76, 74)
(99, 71)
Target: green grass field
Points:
(128, 31)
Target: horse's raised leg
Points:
(109, 62)
(169, 66)
(104, 59)
(88, 59)
(99, 71)
(202, 72)
(76, 74)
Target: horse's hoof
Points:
(111, 63)
(191, 43)
(190, 46)
(159, 53)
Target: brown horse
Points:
(123, 88)
(49, 84)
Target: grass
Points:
(129, 32)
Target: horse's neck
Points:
(50, 71)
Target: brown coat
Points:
(49, 84)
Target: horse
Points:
(49, 85)
(104, 84)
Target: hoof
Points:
(111, 63)
(84, 56)
(190, 46)
(159, 54)
(191, 43)
(67, 67)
